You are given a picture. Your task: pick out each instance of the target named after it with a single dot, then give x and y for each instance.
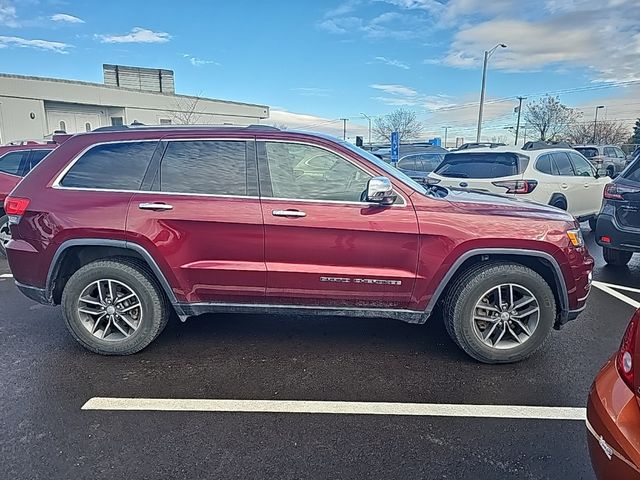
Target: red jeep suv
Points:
(125, 225)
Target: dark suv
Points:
(618, 228)
(15, 162)
(123, 227)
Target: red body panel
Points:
(211, 248)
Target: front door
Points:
(323, 245)
(202, 220)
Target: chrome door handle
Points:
(564, 185)
(288, 213)
(155, 206)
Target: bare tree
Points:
(550, 118)
(280, 126)
(184, 111)
(607, 132)
(403, 121)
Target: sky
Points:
(315, 62)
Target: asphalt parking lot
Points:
(46, 378)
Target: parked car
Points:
(559, 177)
(608, 157)
(408, 149)
(419, 165)
(469, 145)
(15, 162)
(613, 411)
(122, 227)
(618, 229)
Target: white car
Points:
(560, 177)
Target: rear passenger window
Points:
(205, 167)
(563, 164)
(114, 166)
(10, 163)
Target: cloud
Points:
(391, 62)
(63, 17)
(8, 14)
(137, 35)
(56, 47)
(403, 96)
(312, 91)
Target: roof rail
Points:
(140, 126)
(541, 145)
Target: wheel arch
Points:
(541, 262)
(559, 196)
(72, 254)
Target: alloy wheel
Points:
(506, 316)
(110, 310)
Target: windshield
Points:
(481, 165)
(394, 172)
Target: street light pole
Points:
(518, 124)
(595, 123)
(446, 129)
(487, 55)
(369, 119)
(344, 128)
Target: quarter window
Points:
(10, 163)
(115, 166)
(563, 164)
(205, 167)
(313, 173)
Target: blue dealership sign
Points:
(395, 147)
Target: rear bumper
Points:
(613, 427)
(621, 238)
(34, 293)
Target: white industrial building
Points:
(36, 107)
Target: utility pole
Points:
(344, 128)
(487, 55)
(520, 99)
(595, 123)
(369, 119)
(446, 129)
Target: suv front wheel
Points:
(500, 312)
(114, 307)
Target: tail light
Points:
(615, 191)
(627, 354)
(15, 207)
(517, 186)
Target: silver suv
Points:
(607, 157)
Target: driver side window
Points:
(306, 172)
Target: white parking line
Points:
(331, 407)
(609, 288)
(6, 275)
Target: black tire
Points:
(154, 306)
(592, 223)
(559, 202)
(467, 290)
(4, 225)
(611, 172)
(616, 258)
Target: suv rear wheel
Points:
(5, 234)
(500, 312)
(114, 307)
(617, 258)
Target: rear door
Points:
(570, 185)
(593, 187)
(479, 170)
(201, 220)
(324, 246)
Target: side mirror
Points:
(380, 191)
